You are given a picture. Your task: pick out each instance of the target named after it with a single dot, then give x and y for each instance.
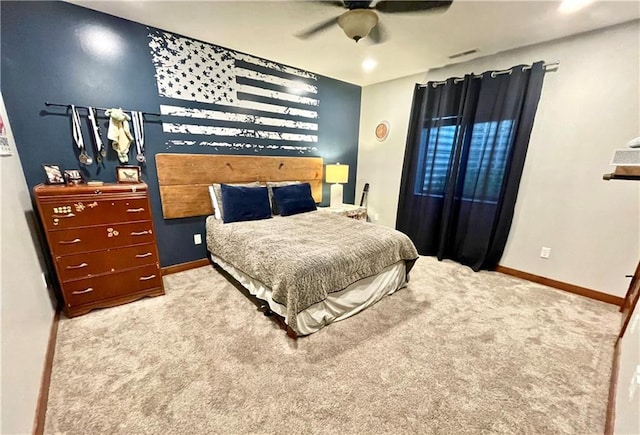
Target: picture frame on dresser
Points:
(73, 177)
(53, 174)
(128, 174)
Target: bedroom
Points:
(592, 226)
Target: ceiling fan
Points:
(361, 18)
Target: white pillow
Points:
(214, 203)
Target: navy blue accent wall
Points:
(59, 52)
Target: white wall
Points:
(589, 107)
(380, 163)
(26, 310)
(627, 414)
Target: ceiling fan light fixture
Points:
(357, 23)
(369, 64)
(571, 6)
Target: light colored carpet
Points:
(456, 352)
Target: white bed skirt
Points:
(338, 306)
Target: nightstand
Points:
(348, 210)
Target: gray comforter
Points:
(304, 257)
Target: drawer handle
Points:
(146, 278)
(141, 233)
(135, 210)
(63, 215)
(79, 292)
(69, 242)
(143, 255)
(79, 266)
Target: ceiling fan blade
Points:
(357, 4)
(395, 6)
(317, 28)
(331, 3)
(379, 34)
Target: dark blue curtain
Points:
(463, 162)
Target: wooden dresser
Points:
(102, 242)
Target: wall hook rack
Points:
(48, 104)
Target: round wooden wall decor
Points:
(382, 131)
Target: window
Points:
(483, 160)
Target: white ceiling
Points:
(417, 41)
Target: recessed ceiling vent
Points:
(463, 53)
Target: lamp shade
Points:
(337, 173)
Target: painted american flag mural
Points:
(221, 98)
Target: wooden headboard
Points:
(184, 179)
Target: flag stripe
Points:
(235, 117)
(235, 124)
(274, 66)
(244, 146)
(242, 64)
(277, 95)
(295, 86)
(243, 96)
(268, 107)
(270, 86)
(208, 130)
(250, 107)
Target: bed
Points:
(310, 269)
(295, 263)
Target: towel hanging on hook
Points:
(118, 133)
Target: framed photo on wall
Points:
(53, 174)
(128, 174)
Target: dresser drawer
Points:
(84, 291)
(66, 213)
(76, 266)
(77, 240)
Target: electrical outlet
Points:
(197, 239)
(545, 252)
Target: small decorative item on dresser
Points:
(128, 174)
(73, 177)
(53, 174)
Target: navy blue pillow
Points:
(294, 199)
(244, 203)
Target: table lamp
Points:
(336, 174)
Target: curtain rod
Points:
(46, 103)
(493, 74)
